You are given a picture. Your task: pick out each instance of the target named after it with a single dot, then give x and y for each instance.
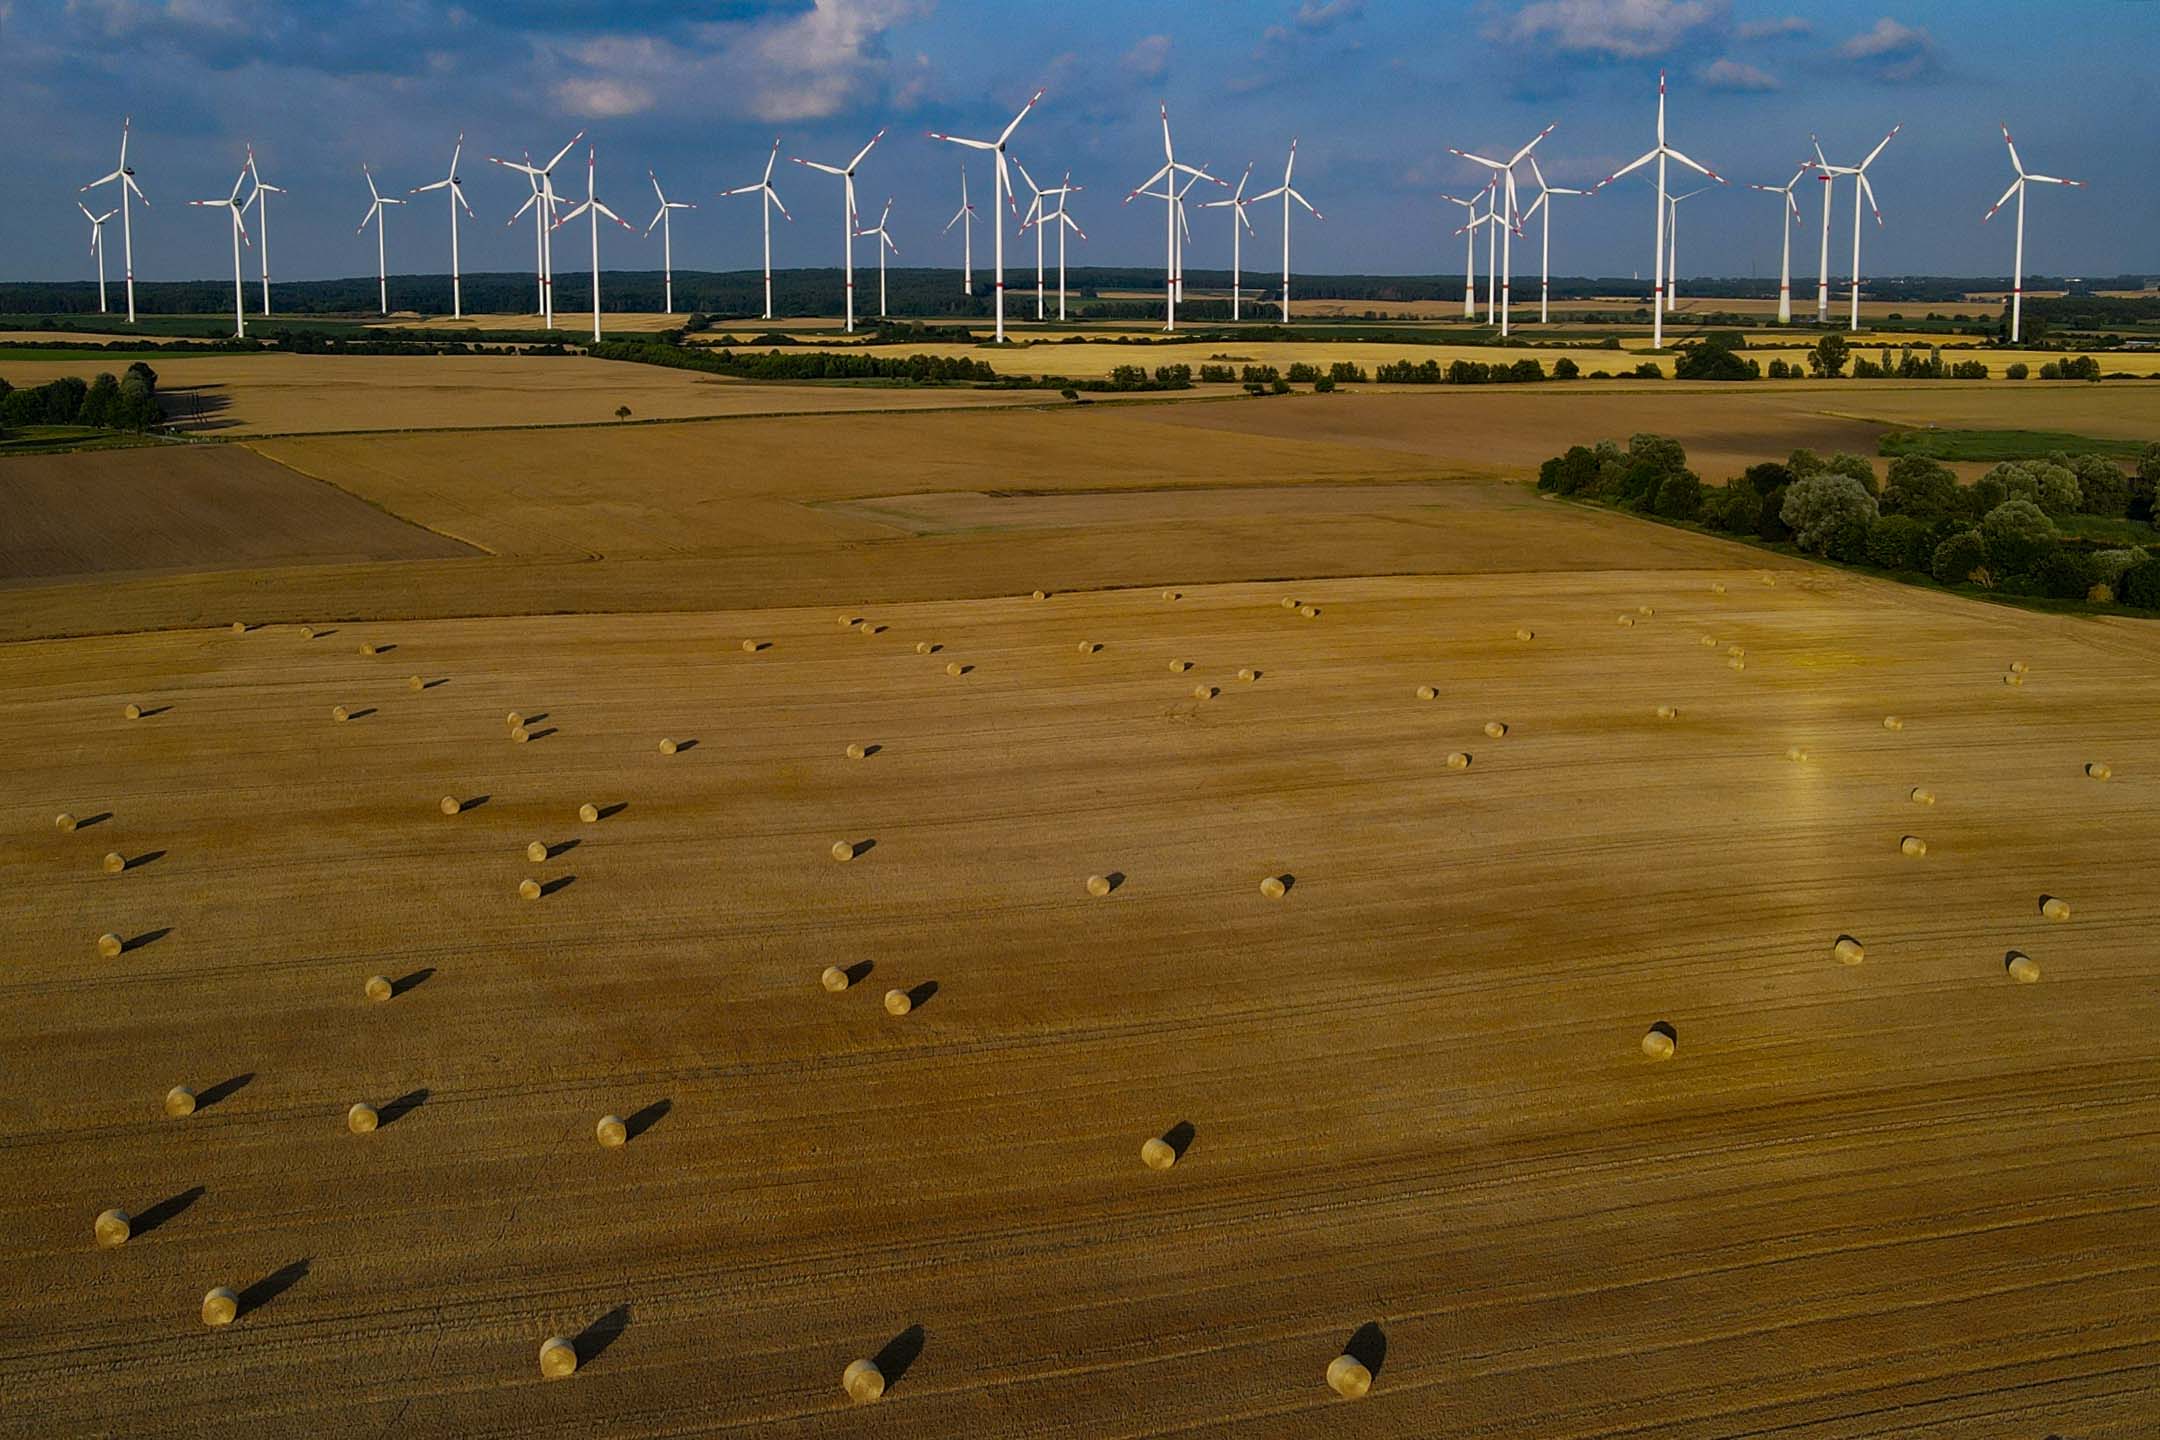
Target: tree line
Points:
(105, 403)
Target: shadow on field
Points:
(165, 1210)
(148, 857)
(411, 982)
(474, 803)
(558, 883)
(592, 1342)
(395, 1110)
(637, 1124)
(98, 819)
(858, 972)
(276, 1283)
(1368, 1347)
(893, 1359)
(920, 995)
(1179, 1137)
(224, 1089)
(148, 937)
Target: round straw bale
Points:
(846, 621)
(451, 805)
(1892, 722)
(1913, 845)
(1310, 612)
(955, 669)
(2093, 769)
(1848, 950)
(1644, 610)
(414, 682)
(109, 945)
(537, 851)
(855, 751)
(1667, 712)
(133, 711)
(520, 735)
(1088, 647)
(239, 627)
(1457, 760)
(589, 813)
(843, 851)
(1495, 729)
(179, 1101)
(112, 1227)
(2013, 679)
(2055, 908)
(339, 712)
(898, 1002)
(2022, 967)
(1657, 1044)
(1203, 692)
(361, 1118)
(867, 627)
(1289, 602)
(1042, 594)
(379, 988)
(863, 1381)
(924, 647)
(66, 822)
(667, 746)
(834, 978)
(307, 632)
(1797, 754)
(368, 647)
(2018, 667)
(513, 720)
(1708, 642)
(1273, 887)
(1735, 650)
(1348, 1377)
(1736, 663)
(1098, 885)
(1179, 667)
(1921, 795)
(611, 1132)
(1171, 595)
(1768, 578)
(1248, 674)
(750, 646)
(1157, 1153)
(558, 1358)
(1717, 587)
(115, 862)
(220, 1307)
(1525, 633)
(528, 889)
(1624, 621)
(1427, 692)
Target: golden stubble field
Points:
(1414, 1085)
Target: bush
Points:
(1899, 542)
(1565, 369)
(2143, 483)
(1324, 385)
(2140, 584)
(2058, 490)
(1301, 373)
(1827, 359)
(2019, 536)
(1961, 558)
(1768, 476)
(1217, 375)
(1770, 516)
(1648, 370)
(1922, 488)
(1661, 452)
(1825, 510)
(2110, 564)
(1679, 497)
(1569, 474)
(2016, 371)
(1346, 372)
(1713, 362)
(1732, 508)
(1278, 386)
(1779, 370)
(2068, 573)
(2104, 489)
(1856, 466)
(1969, 370)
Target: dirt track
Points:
(1905, 1197)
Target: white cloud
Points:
(603, 99)
(1320, 15)
(1149, 58)
(1735, 75)
(1773, 29)
(1622, 29)
(1900, 52)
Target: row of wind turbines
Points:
(1501, 217)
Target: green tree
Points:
(1961, 558)
(1899, 542)
(2103, 486)
(2058, 492)
(2140, 585)
(1827, 359)
(1827, 511)
(2019, 536)
(1857, 466)
(2068, 574)
(1922, 488)
(1679, 497)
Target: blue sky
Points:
(1376, 91)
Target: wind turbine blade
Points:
(1306, 203)
(772, 159)
(1869, 191)
(101, 180)
(1703, 169)
(1266, 195)
(816, 165)
(2052, 180)
(774, 196)
(656, 188)
(865, 150)
(1027, 177)
(455, 153)
(458, 191)
(962, 140)
(1879, 147)
(424, 189)
(1478, 159)
(2004, 201)
(655, 221)
(2015, 163)
(1168, 158)
(1522, 154)
(1019, 117)
(1627, 168)
(562, 152)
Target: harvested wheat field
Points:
(1138, 1159)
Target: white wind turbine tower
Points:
(1822, 273)
(667, 239)
(1672, 245)
(234, 208)
(540, 224)
(380, 215)
(1544, 202)
(964, 217)
(1661, 153)
(1236, 202)
(1001, 193)
(1028, 222)
(262, 223)
(97, 247)
(456, 187)
(126, 179)
(1170, 195)
(1184, 228)
(546, 205)
(2017, 187)
(1861, 191)
(1469, 229)
(1288, 194)
(848, 217)
(1791, 212)
(1064, 222)
(592, 209)
(768, 201)
(1504, 171)
(885, 243)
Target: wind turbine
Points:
(262, 222)
(547, 204)
(1672, 245)
(848, 216)
(126, 179)
(1288, 194)
(592, 209)
(1784, 289)
(1469, 230)
(1822, 273)
(97, 247)
(1170, 195)
(769, 201)
(1027, 222)
(1861, 190)
(1544, 202)
(2017, 187)
(1661, 153)
(1504, 170)
(234, 208)
(380, 216)
(540, 224)
(667, 239)
(1236, 203)
(456, 187)
(964, 217)
(1064, 222)
(885, 242)
(1001, 184)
